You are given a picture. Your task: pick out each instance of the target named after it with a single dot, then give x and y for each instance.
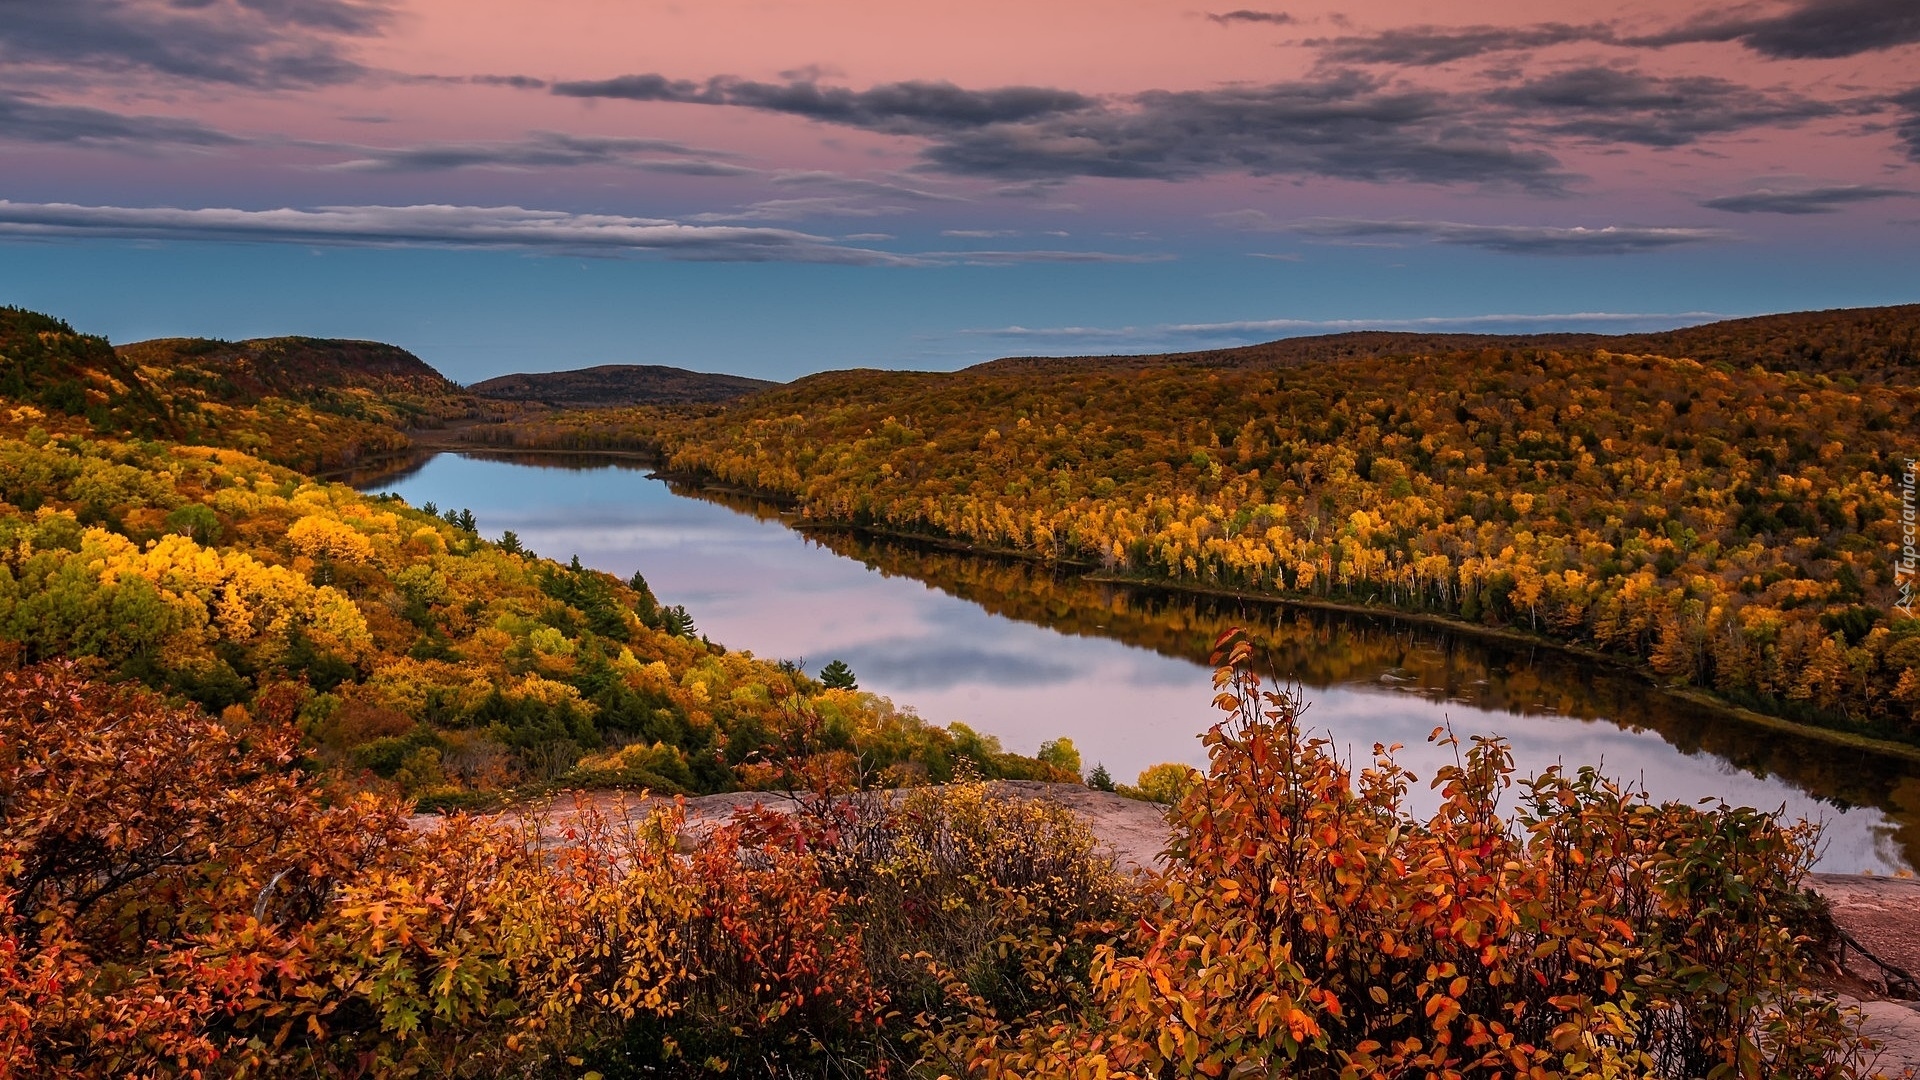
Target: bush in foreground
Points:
(1309, 925)
(177, 899)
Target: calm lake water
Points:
(1027, 655)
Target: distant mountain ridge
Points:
(621, 384)
(1877, 344)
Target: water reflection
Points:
(1029, 654)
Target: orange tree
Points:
(1310, 925)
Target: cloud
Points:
(254, 43)
(1346, 126)
(508, 227)
(1810, 30)
(898, 108)
(1516, 239)
(798, 209)
(517, 82)
(1821, 200)
(545, 149)
(26, 120)
(1004, 258)
(1428, 46)
(1343, 125)
(1274, 18)
(979, 234)
(1608, 105)
(860, 185)
(1183, 335)
(1909, 126)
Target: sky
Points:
(773, 187)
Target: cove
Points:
(1027, 654)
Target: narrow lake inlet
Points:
(1026, 655)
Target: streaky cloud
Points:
(1819, 200)
(1516, 239)
(1608, 105)
(1293, 327)
(1810, 30)
(1245, 15)
(899, 108)
(253, 43)
(1004, 258)
(544, 149)
(23, 119)
(498, 227)
(1430, 46)
(1343, 125)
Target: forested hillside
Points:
(1730, 525)
(620, 384)
(405, 647)
(224, 685)
(1867, 344)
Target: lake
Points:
(1028, 654)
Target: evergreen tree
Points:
(838, 676)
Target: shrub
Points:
(1311, 926)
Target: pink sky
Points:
(917, 135)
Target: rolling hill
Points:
(620, 384)
(1879, 344)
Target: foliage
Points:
(838, 676)
(1311, 926)
(178, 897)
(1166, 783)
(1729, 526)
(404, 644)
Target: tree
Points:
(510, 542)
(1100, 779)
(838, 676)
(1062, 755)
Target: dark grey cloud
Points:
(545, 149)
(1344, 125)
(257, 43)
(24, 119)
(1820, 200)
(1810, 30)
(1426, 46)
(902, 108)
(1271, 18)
(1610, 105)
(508, 227)
(1516, 239)
(1908, 127)
(518, 82)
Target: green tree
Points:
(838, 676)
(1100, 779)
(1061, 754)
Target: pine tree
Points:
(838, 676)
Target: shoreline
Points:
(1696, 696)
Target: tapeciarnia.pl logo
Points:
(1908, 566)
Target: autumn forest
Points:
(278, 757)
